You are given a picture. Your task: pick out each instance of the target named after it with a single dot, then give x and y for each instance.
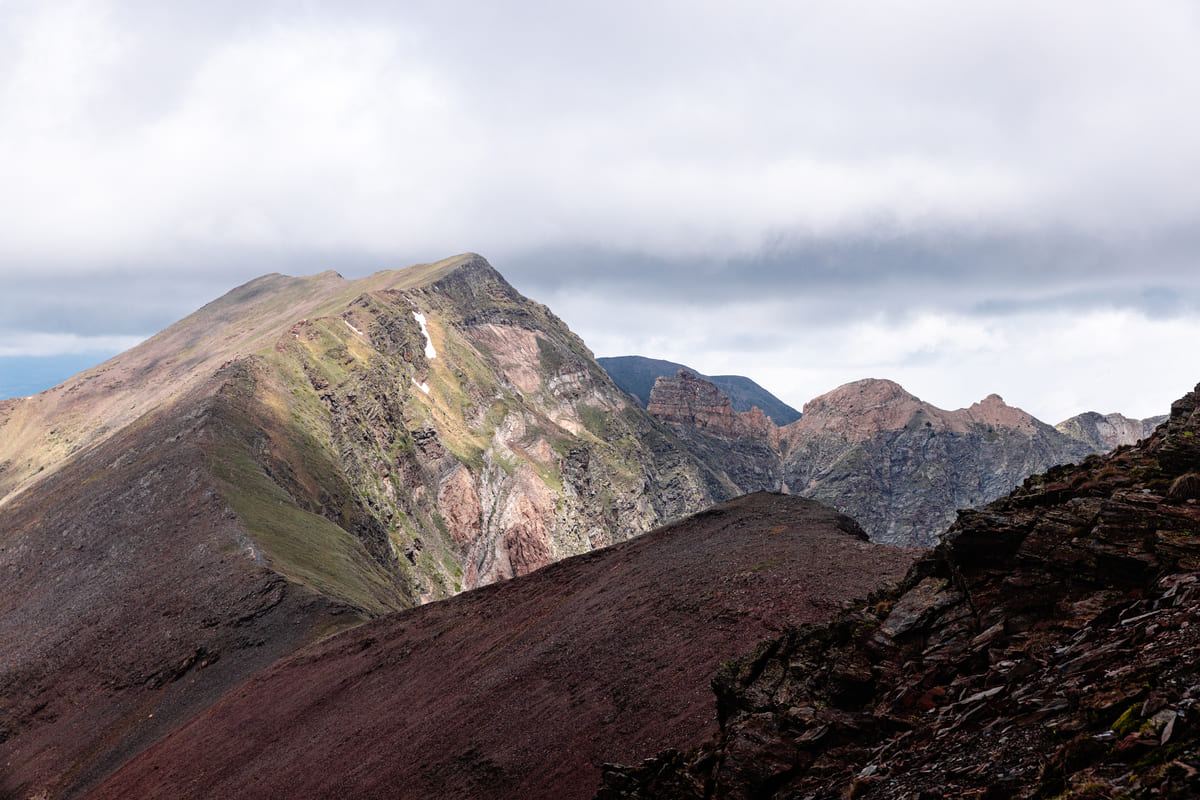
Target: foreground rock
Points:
(1045, 649)
(523, 689)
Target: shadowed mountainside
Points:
(1045, 649)
(523, 689)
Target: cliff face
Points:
(1044, 649)
(878, 453)
(298, 455)
(698, 403)
(742, 447)
(870, 449)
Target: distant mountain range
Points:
(635, 375)
(901, 466)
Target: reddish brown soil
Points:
(523, 689)
(129, 603)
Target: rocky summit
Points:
(901, 466)
(1106, 431)
(1045, 649)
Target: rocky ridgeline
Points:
(1045, 649)
(1106, 431)
(901, 466)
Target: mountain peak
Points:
(993, 411)
(1045, 648)
(859, 408)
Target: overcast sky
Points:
(963, 197)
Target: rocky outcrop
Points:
(698, 403)
(742, 447)
(522, 689)
(1044, 649)
(1103, 432)
(635, 375)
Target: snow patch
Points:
(351, 327)
(424, 387)
(429, 351)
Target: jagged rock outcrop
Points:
(688, 400)
(743, 447)
(1103, 432)
(522, 689)
(300, 454)
(876, 452)
(1044, 649)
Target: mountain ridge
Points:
(482, 695)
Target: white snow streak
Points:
(429, 351)
(351, 327)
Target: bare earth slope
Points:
(1046, 649)
(132, 597)
(523, 689)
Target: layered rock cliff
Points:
(876, 452)
(635, 375)
(1044, 649)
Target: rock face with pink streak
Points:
(879, 453)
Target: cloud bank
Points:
(828, 169)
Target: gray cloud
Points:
(810, 166)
